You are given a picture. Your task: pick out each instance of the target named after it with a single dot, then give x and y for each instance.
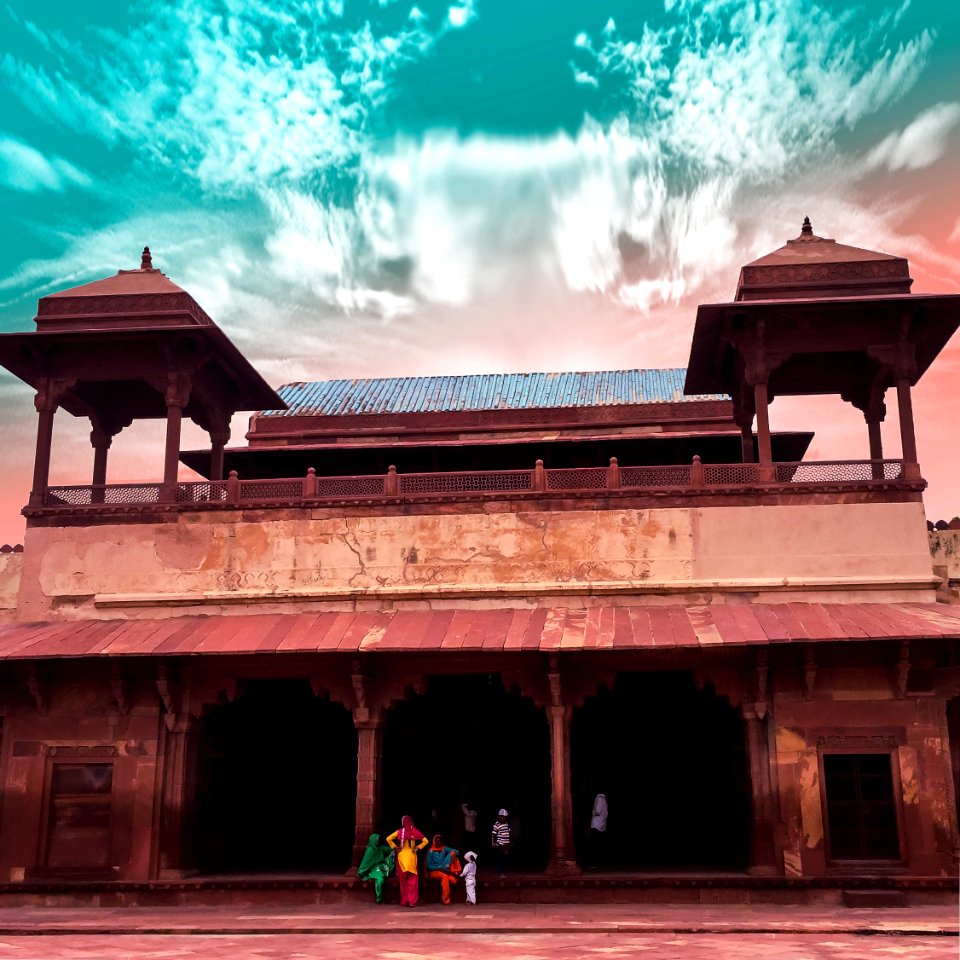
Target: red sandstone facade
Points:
(415, 596)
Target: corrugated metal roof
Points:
(494, 391)
(544, 628)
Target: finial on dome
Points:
(806, 230)
(146, 261)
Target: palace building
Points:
(403, 594)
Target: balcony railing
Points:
(680, 479)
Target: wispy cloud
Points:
(25, 168)
(235, 94)
(728, 104)
(920, 144)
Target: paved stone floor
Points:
(414, 945)
(496, 932)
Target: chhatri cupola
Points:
(130, 347)
(811, 266)
(820, 317)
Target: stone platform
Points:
(275, 892)
(369, 919)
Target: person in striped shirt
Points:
(500, 839)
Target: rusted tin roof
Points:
(495, 391)
(598, 628)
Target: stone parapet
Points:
(828, 551)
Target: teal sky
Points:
(384, 187)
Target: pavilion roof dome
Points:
(140, 296)
(811, 266)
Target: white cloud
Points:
(25, 168)
(460, 14)
(235, 93)
(920, 144)
(728, 102)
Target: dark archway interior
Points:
(469, 739)
(672, 761)
(276, 782)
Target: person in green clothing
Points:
(376, 865)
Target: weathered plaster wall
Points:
(10, 565)
(945, 552)
(909, 729)
(76, 722)
(834, 551)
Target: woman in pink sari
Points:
(407, 841)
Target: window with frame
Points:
(78, 835)
(861, 806)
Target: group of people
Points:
(441, 863)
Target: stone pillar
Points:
(177, 395)
(746, 443)
(908, 440)
(560, 714)
(762, 846)
(562, 858)
(41, 464)
(219, 436)
(216, 458)
(760, 399)
(100, 440)
(369, 724)
(172, 863)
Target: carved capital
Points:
(763, 674)
(50, 391)
(177, 393)
(169, 692)
(38, 689)
(119, 688)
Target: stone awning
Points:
(618, 628)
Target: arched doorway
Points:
(671, 758)
(468, 739)
(275, 782)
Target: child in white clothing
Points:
(469, 876)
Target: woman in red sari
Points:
(407, 841)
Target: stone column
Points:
(762, 846)
(41, 463)
(100, 440)
(173, 855)
(45, 402)
(562, 858)
(219, 436)
(369, 724)
(177, 395)
(760, 398)
(746, 443)
(908, 440)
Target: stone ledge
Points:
(508, 591)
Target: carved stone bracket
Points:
(170, 693)
(763, 674)
(903, 669)
(119, 688)
(38, 689)
(50, 391)
(809, 671)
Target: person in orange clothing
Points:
(443, 864)
(407, 841)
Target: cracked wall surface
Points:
(869, 548)
(10, 565)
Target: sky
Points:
(384, 188)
